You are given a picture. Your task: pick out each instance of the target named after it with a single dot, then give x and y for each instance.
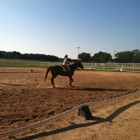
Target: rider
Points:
(66, 64)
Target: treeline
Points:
(100, 57)
(27, 56)
(119, 57)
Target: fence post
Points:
(133, 66)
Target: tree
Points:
(128, 57)
(136, 57)
(102, 57)
(85, 57)
(2, 54)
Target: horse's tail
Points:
(47, 71)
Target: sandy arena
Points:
(25, 99)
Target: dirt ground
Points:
(26, 99)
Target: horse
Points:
(58, 70)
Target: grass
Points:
(21, 63)
(88, 66)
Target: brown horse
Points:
(58, 70)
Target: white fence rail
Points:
(90, 66)
(113, 66)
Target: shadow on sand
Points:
(96, 120)
(94, 89)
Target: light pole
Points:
(78, 51)
(114, 53)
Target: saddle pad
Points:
(64, 69)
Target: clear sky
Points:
(58, 27)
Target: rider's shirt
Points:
(65, 62)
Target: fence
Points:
(113, 66)
(88, 66)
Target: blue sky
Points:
(58, 27)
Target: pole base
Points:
(84, 112)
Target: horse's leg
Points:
(71, 80)
(52, 79)
(52, 82)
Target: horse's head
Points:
(79, 64)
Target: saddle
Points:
(64, 68)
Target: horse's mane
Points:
(75, 62)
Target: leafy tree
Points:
(85, 57)
(16, 55)
(124, 57)
(128, 57)
(102, 57)
(2, 54)
(136, 57)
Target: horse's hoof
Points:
(53, 86)
(71, 85)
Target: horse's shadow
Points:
(96, 120)
(100, 89)
(92, 89)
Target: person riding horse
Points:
(66, 64)
(57, 70)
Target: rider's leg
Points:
(68, 70)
